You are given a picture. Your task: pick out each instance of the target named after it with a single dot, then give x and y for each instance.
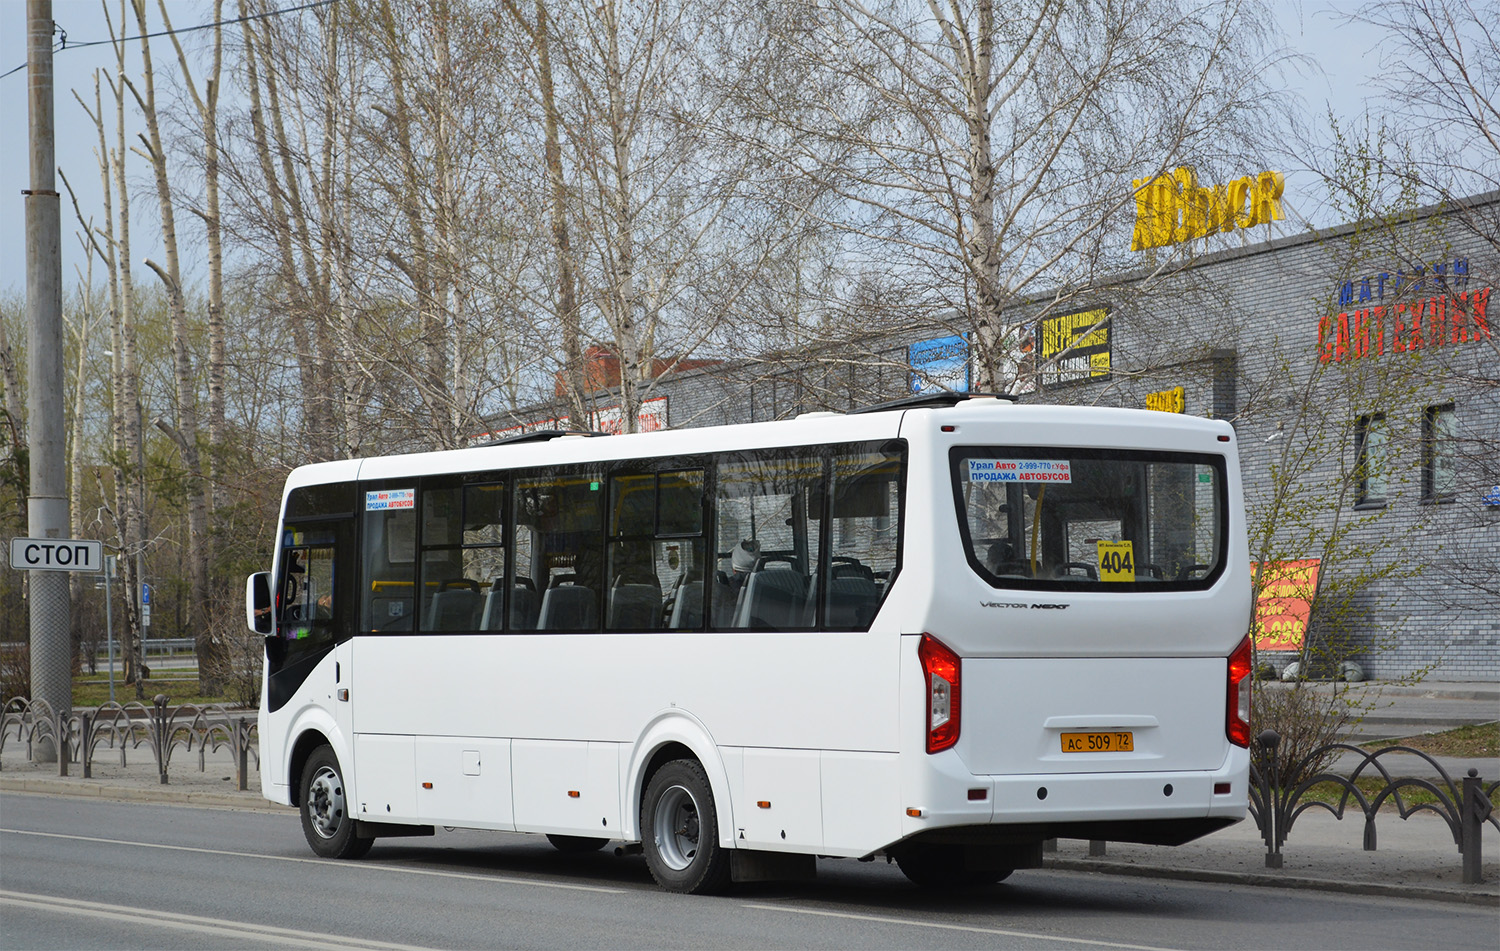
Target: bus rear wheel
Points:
(576, 843)
(326, 822)
(680, 831)
(943, 867)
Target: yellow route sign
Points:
(1116, 561)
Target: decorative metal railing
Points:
(79, 736)
(1464, 805)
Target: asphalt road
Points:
(78, 873)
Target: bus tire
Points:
(942, 867)
(326, 822)
(576, 843)
(680, 831)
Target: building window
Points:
(1439, 453)
(1371, 449)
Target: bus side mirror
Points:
(258, 603)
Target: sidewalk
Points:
(1416, 857)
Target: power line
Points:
(63, 44)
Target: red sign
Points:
(1415, 325)
(1283, 603)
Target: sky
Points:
(1338, 77)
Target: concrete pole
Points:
(51, 653)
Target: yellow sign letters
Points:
(1167, 401)
(1174, 208)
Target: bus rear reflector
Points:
(1237, 716)
(942, 670)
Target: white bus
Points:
(942, 631)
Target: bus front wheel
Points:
(680, 831)
(326, 821)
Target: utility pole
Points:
(47, 501)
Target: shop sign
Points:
(1167, 401)
(1372, 288)
(1283, 603)
(940, 365)
(1074, 347)
(1170, 209)
(652, 418)
(1406, 326)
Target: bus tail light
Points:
(941, 668)
(1237, 717)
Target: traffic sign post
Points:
(56, 554)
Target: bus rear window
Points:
(1091, 519)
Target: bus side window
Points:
(463, 557)
(864, 538)
(767, 539)
(389, 558)
(656, 551)
(562, 509)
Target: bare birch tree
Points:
(987, 151)
(212, 660)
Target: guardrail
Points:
(1465, 805)
(78, 736)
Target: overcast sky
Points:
(1312, 27)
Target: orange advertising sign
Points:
(1284, 603)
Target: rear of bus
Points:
(1080, 646)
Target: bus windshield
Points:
(1090, 519)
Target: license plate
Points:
(1099, 742)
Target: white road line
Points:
(354, 866)
(216, 927)
(918, 923)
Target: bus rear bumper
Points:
(1161, 807)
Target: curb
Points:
(1381, 889)
(175, 795)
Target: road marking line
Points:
(219, 927)
(917, 923)
(326, 863)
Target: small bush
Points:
(1306, 717)
(15, 671)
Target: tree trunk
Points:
(212, 655)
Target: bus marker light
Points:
(763, 803)
(914, 813)
(572, 794)
(978, 795)
(427, 785)
(1221, 789)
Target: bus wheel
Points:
(942, 867)
(680, 831)
(576, 843)
(325, 809)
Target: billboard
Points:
(940, 365)
(1074, 347)
(1283, 603)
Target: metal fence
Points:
(1464, 805)
(81, 735)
